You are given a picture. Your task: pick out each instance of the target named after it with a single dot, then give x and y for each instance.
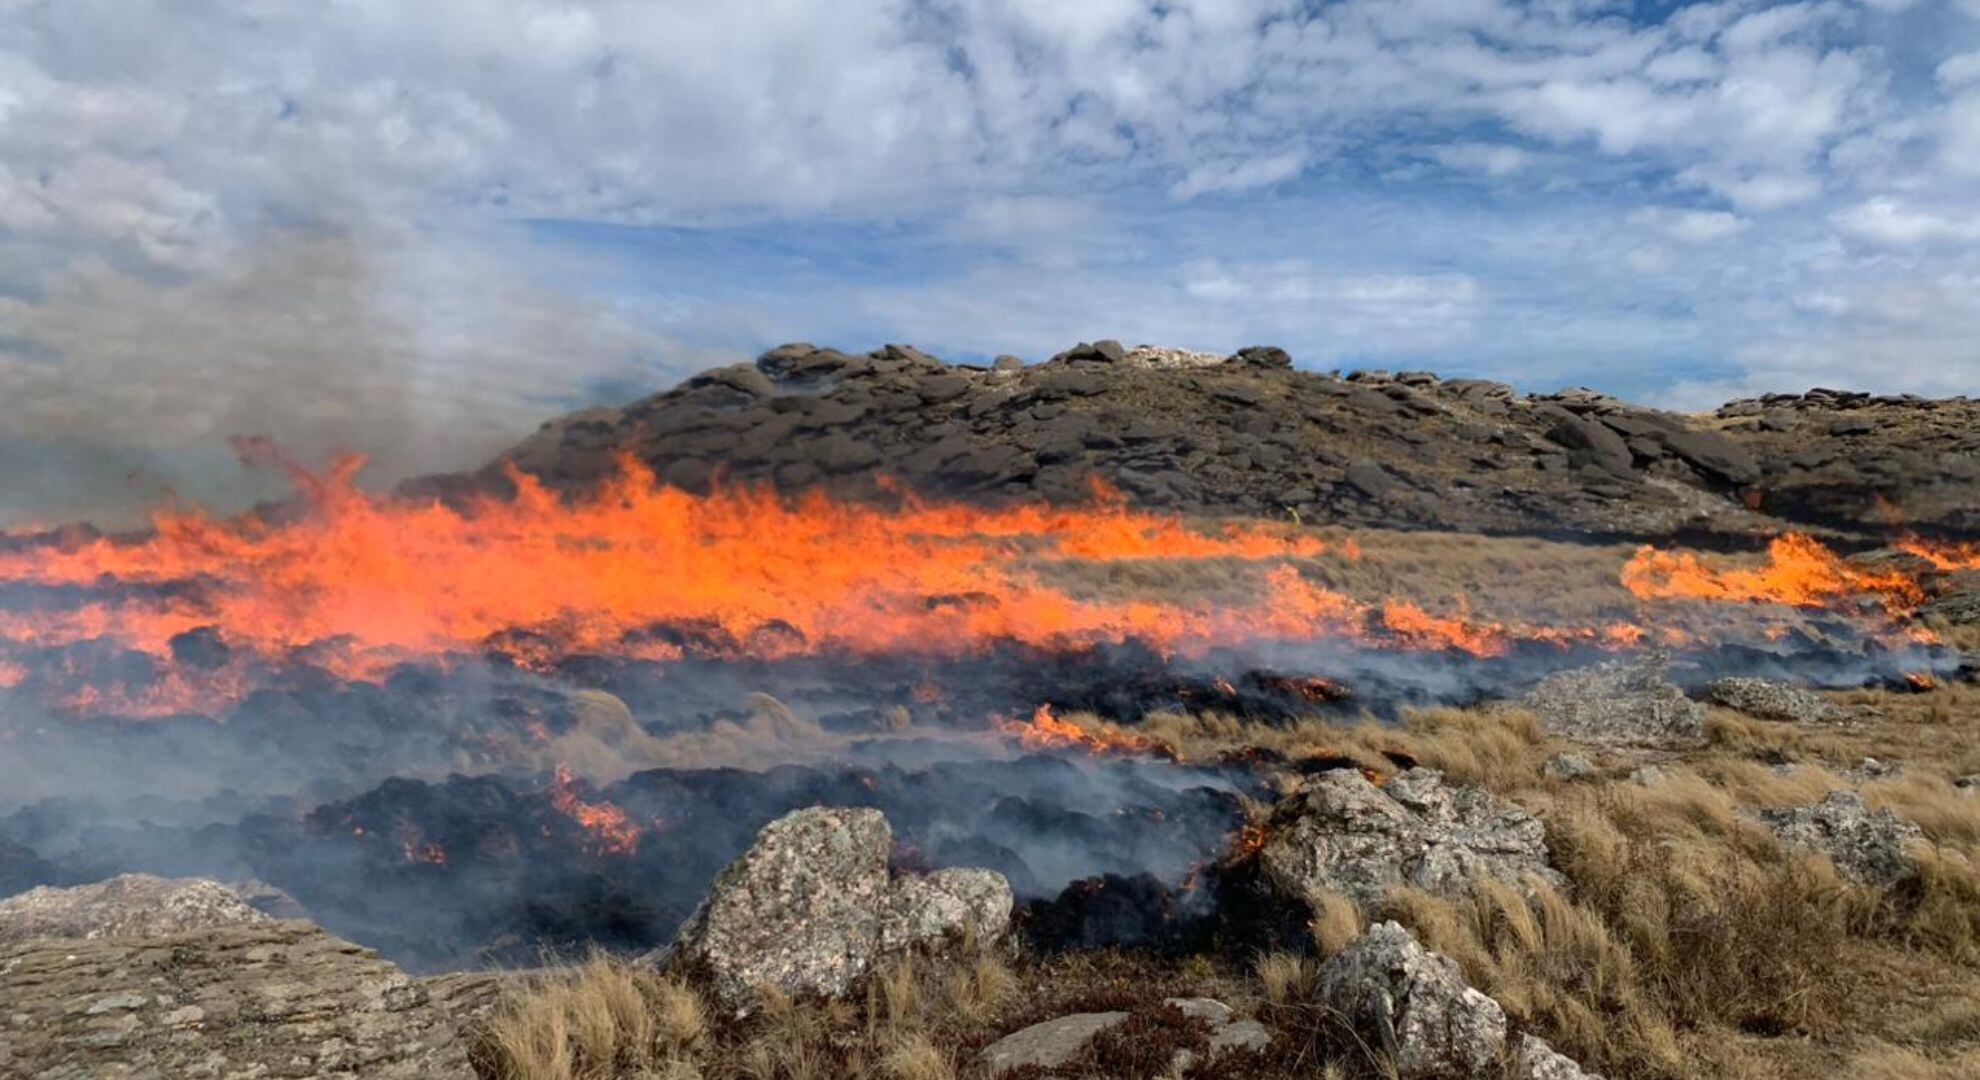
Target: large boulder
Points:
(1341, 833)
(251, 998)
(1414, 1008)
(1771, 699)
(1628, 702)
(1867, 846)
(813, 905)
(131, 905)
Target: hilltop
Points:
(1250, 434)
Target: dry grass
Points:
(1686, 943)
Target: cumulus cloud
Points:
(205, 202)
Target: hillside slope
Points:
(1251, 435)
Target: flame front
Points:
(1799, 571)
(354, 583)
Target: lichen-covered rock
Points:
(1568, 767)
(1865, 845)
(1618, 702)
(131, 905)
(1771, 699)
(813, 905)
(1341, 833)
(256, 998)
(1533, 1059)
(1413, 1006)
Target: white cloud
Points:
(1492, 159)
(1690, 226)
(1238, 176)
(1892, 223)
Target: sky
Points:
(419, 229)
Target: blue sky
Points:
(418, 229)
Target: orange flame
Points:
(354, 583)
(612, 832)
(1046, 731)
(1943, 556)
(1800, 571)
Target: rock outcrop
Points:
(1618, 702)
(813, 905)
(131, 905)
(1252, 434)
(1340, 833)
(1865, 845)
(252, 997)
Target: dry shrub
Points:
(1946, 814)
(1336, 922)
(916, 1057)
(1284, 978)
(600, 1018)
(1900, 1063)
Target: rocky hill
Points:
(1250, 434)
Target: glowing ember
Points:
(1919, 680)
(611, 831)
(1800, 571)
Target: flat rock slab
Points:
(256, 999)
(1047, 1045)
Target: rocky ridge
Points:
(1251, 434)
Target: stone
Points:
(1590, 442)
(936, 389)
(1343, 834)
(1624, 702)
(1047, 1045)
(1771, 699)
(812, 906)
(1007, 364)
(130, 905)
(254, 998)
(1866, 846)
(1568, 767)
(1371, 479)
(1533, 1059)
(1413, 1006)
(1265, 356)
(1056, 1042)
(1713, 455)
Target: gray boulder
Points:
(812, 906)
(1568, 767)
(1620, 702)
(1866, 846)
(1533, 1059)
(1771, 699)
(131, 905)
(1341, 833)
(1414, 1007)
